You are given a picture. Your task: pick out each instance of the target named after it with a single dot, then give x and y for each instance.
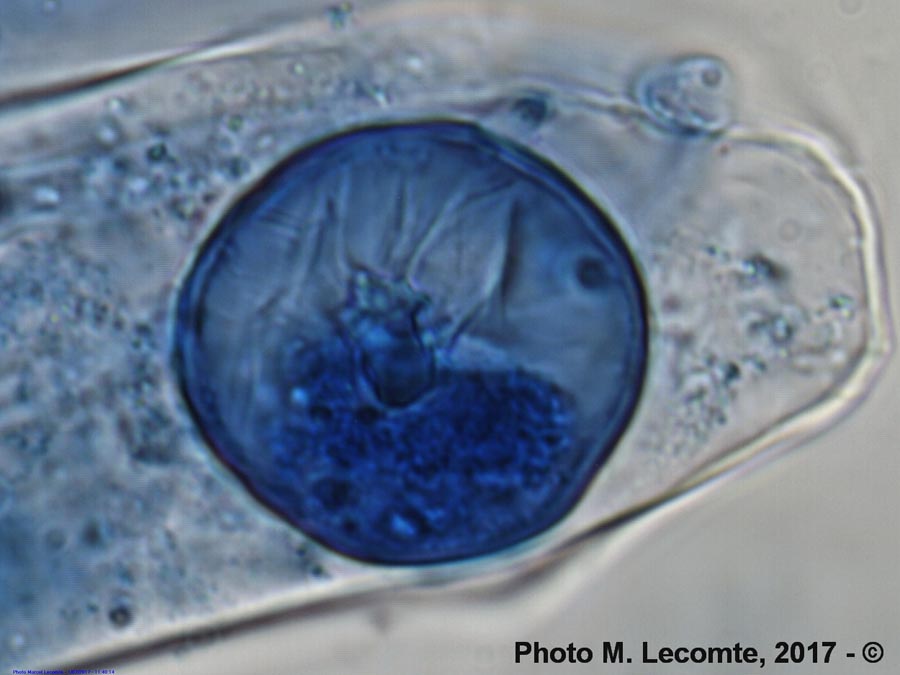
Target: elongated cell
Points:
(758, 250)
(416, 342)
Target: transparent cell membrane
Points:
(393, 296)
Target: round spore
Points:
(383, 340)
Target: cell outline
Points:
(247, 200)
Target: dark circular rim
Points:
(189, 316)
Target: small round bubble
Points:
(690, 94)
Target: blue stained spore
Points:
(354, 404)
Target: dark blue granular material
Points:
(421, 483)
(416, 342)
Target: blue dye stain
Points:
(382, 444)
(533, 108)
